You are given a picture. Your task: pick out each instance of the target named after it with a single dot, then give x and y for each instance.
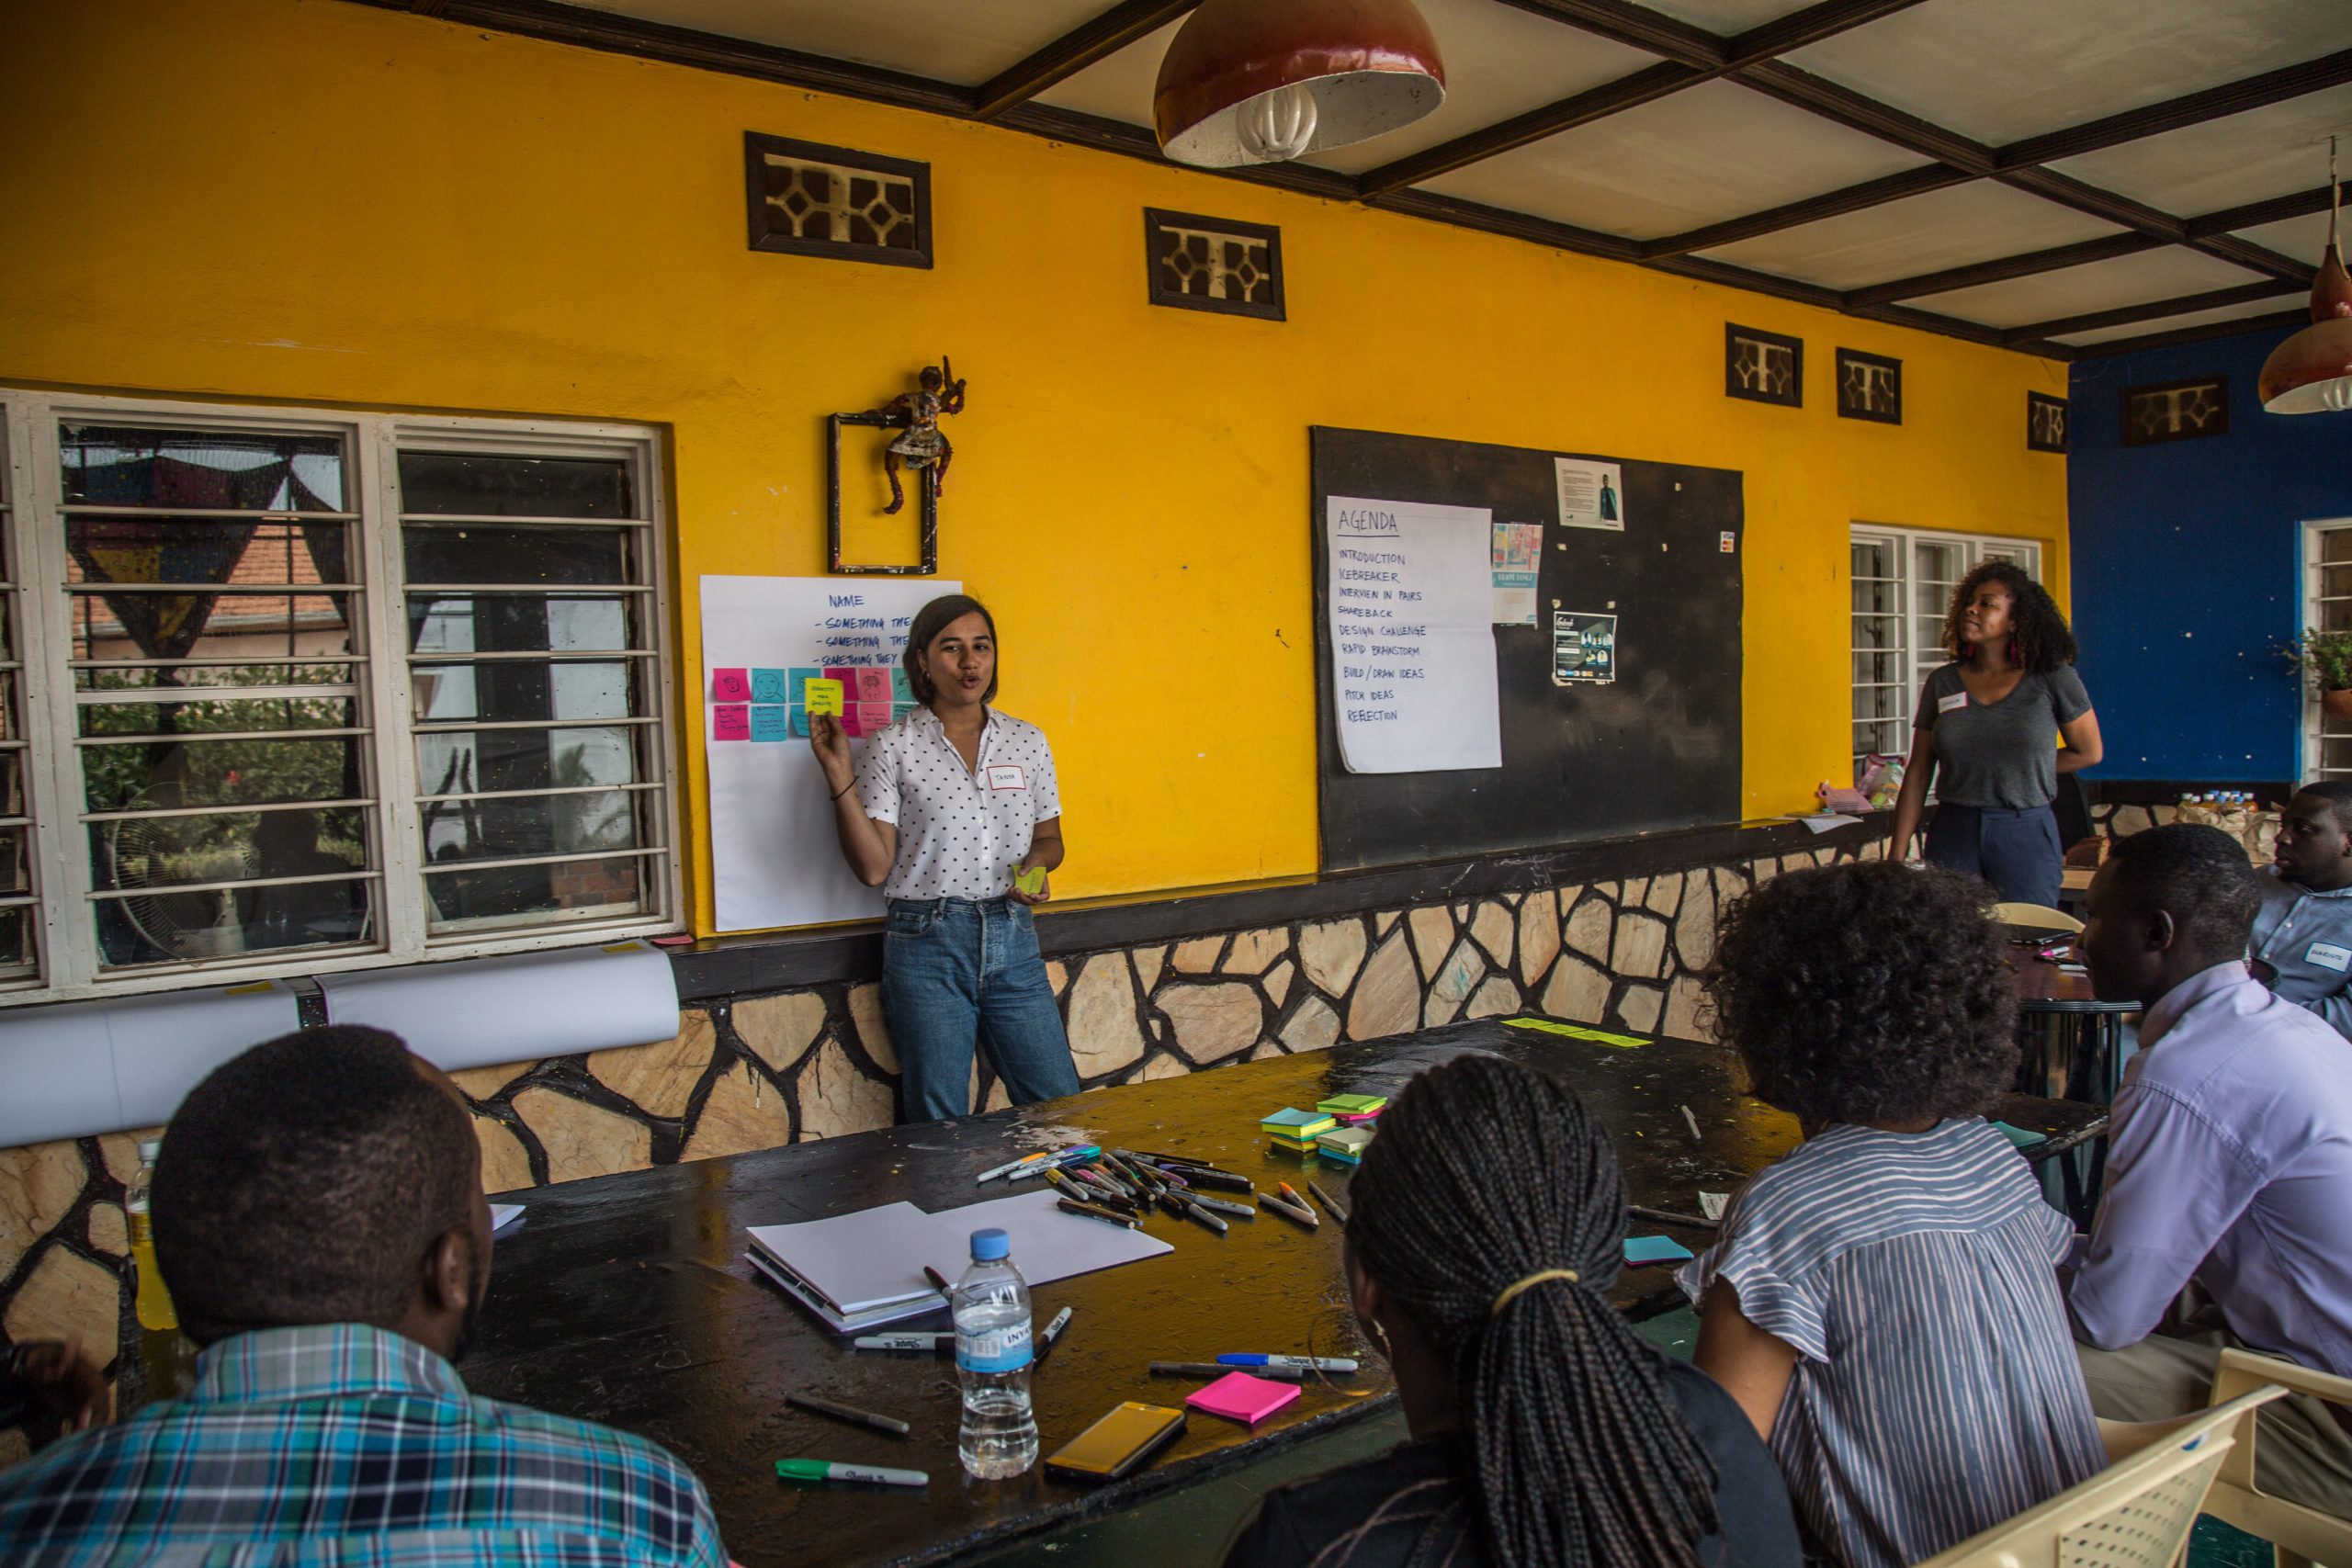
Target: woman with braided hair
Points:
(1487, 1231)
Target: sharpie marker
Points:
(1052, 1335)
(1291, 1212)
(824, 1470)
(1094, 1212)
(1030, 1163)
(936, 1344)
(1219, 1206)
(1333, 1205)
(1294, 1363)
(1214, 1369)
(850, 1413)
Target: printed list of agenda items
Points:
(1377, 627)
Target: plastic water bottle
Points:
(993, 1355)
(155, 1303)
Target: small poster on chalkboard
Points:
(1591, 494)
(1584, 648)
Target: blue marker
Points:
(1294, 1363)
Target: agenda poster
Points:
(1410, 601)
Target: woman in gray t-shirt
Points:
(1994, 730)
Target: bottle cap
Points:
(149, 1148)
(988, 1246)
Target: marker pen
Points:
(1214, 1370)
(1222, 1181)
(1094, 1212)
(1051, 1336)
(1041, 1158)
(824, 1470)
(1290, 1195)
(938, 1281)
(1200, 1216)
(1296, 1363)
(889, 1423)
(1219, 1206)
(1291, 1212)
(1330, 1202)
(934, 1344)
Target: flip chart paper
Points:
(771, 723)
(730, 685)
(770, 686)
(730, 721)
(823, 695)
(1411, 594)
(775, 858)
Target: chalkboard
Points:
(1656, 747)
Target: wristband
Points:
(845, 789)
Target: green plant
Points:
(2324, 656)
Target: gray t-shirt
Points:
(1999, 756)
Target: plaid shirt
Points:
(339, 1444)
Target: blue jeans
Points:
(955, 973)
(2017, 851)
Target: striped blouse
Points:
(1935, 1391)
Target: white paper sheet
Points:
(774, 858)
(1047, 1244)
(103, 1067)
(503, 1215)
(480, 1012)
(869, 1258)
(1411, 600)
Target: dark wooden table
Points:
(625, 1298)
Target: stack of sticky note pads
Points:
(1297, 1130)
(1345, 1144)
(1353, 1109)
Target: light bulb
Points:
(1278, 125)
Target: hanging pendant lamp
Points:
(1262, 81)
(2312, 372)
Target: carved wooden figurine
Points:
(923, 445)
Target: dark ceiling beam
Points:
(1512, 225)
(2067, 191)
(2254, 214)
(1638, 26)
(1650, 83)
(2001, 269)
(2192, 108)
(2284, 321)
(1812, 209)
(1073, 51)
(2154, 310)
(1855, 112)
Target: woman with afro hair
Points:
(1994, 730)
(1883, 1300)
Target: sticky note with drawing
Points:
(873, 686)
(822, 697)
(730, 721)
(730, 685)
(768, 686)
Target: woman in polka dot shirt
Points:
(943, 811)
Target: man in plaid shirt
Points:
(319, 1217)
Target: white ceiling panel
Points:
(2175, 323)
(1499, 60)
(950, 40)
(1714, 151)
(1957, 226)
(1728, 16)
(2304, 238)
(2225, 162)
(1117, 87)
(2163, 273)
(2000, 71)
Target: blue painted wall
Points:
(2188, 569)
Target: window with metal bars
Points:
(2328, 608)
(325, 692)
(1903, 580)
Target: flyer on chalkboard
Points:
(1519, 559)
(1592, 493)
(1412, 641)
(1584, 648)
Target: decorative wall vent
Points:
(2176, 410)
(2045, 422)
(813, 200)
(1870, 386)
(1214, 263)
(1763, 367)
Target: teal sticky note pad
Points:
(771, 723)
(900, 690)
(796, 675)
(1655, 1249)
(900, 711)
(800, 720)
(769, 686)
(2019, 1136)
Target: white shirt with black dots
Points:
(961, 831)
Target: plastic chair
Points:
(2134, 1513)
(2035, 917)
(2298, 1535)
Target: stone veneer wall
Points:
(757, 1071)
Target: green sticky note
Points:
(1577, 1032)
(2019, 1136)
(1032, 882)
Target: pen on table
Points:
(931, 1344)
(938, 1281)
(1696, 1136)
(1290, 1195)
(1168, 1160)
(1222, 1180)
(824, 1470)
(1214, 1369)
(851, 1413)
(1669, 1217)
(1096, 1212)
(1200, 1216)
(1028, 1162)
(1291, 1364)
(1291, 1210)
(1052, 1335)
(1329, 1201)
(1219, 1206)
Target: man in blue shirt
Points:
(319, 1218)
(2227, 1219)
(2302, 945)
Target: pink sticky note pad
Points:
(847, 676)
(1238, 1396)
(873, 718)
(730, 685)
(730, 721)
(873, 686)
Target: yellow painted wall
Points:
(310, 200)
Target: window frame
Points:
(70, 964)
(1975, 548)
(2312, 616)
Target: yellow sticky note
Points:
(1032, 882)
(822, 697)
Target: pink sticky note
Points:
(1238, 1396)
(847, 719)
(730, 721)
(873, 686)
(847, 677)
(730, 685)
(875, 718)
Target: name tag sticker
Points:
(1957, 700)
(1006, 775)
(2327, 955)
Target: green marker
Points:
(825, 1470)
(1032, 882)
